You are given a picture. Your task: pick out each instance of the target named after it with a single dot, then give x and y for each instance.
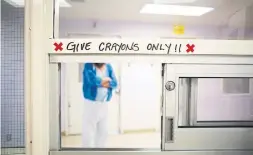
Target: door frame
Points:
(64, 99)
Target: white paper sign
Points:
(158, 46)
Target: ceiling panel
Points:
(128, 10)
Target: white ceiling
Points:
(128, 10)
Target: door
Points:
(75, 96)
(140, 97)
(208, 107)
(73, 81)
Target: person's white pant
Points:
(94, 132)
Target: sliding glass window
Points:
(215, 102)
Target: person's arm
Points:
(89, 77)
(113, 82)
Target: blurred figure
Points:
(98, 82)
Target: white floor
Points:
(138, 140)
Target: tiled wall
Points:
(12, 77)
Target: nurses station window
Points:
(215, 102)
(111, 106)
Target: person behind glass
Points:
(98, 83)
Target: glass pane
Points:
(12, 78)
(215, 105)
(216, 100)
(111, 106)
(192, 19)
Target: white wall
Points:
(133, 29)
(239, 25)
(249, 23)
(235, 25)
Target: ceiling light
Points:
(175, 10)
(20, 3)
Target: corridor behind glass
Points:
(134, 107)
(130, 113)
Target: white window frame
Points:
(38, 29)
(174, 72)
(27, 78)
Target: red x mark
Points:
(58, 46)
(190, 48)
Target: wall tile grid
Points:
(12, 79)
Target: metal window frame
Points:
(54, 117)
(209, 152)
(200, 70)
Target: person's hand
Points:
(106, 85)
(106, 82)
(107, 79)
